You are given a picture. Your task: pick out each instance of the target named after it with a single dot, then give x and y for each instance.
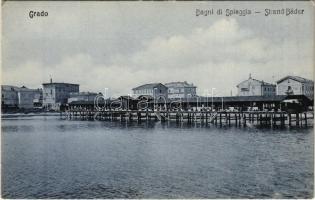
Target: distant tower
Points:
(50, 79)
(250, 76)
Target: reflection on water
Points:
(45, 157)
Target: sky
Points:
(121, 45)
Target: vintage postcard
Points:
(157, 100)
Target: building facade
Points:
(38, 99)
(253, 87)
(152, 89)
(26, 97)
(295, 85)
(57, 94)
(9, 96)
(20, 97)
(81, 96)
(179, 90)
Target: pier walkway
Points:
(245, 118)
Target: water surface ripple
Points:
(45, 157)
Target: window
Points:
(244, 89)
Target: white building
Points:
(253, 87)
(57, 94)
(177, 90)
(295, 85)
(152, 89)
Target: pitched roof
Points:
(145, 96)
(83, 93)
(233, 99)
(148, 86)
(9, 87)
(55, 83)
(17, 89)
(242, 98)
(262, 82)
(179, 84)
(126, 97)
(296, 78)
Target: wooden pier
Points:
(221, 118)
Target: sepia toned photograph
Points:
(157, 100)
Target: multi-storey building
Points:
(9, 96)
(152, 89)
(295, 85)
(20, 97)
(178, 90)
(253, 87)
(57, 94)
(27, 97)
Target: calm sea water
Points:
(45, 157)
